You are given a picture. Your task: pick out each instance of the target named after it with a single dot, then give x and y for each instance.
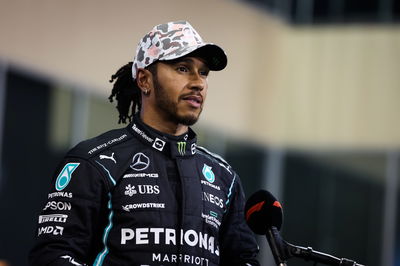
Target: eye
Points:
(204, 73)
(182, 69)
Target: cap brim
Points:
(213, 55)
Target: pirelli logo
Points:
(181, 147)
(58, 218)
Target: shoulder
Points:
(91, 147)
(110, 153)
(214, 158)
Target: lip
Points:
(193, 100)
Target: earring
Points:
(146, 92)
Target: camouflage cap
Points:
(173, 40)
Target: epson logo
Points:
(58, 218)
(168, 236)
(213, 199)
(54, 230)
(58, 206)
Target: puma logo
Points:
(102, 156)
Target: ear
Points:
(144, 80)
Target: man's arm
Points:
(70, 225)
(237, 242)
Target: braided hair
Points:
(126, 92)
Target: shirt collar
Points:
(172, 146)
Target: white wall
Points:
(298, 86)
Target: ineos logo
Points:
(140, 162)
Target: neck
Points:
(161, 124)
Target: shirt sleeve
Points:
(238, 243)
(70, 226)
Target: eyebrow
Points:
(183, 60)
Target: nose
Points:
(197, 82)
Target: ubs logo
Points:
(140, 162)
(141, 189)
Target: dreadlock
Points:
(126, 92)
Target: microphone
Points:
(264, 216)
(263, 211)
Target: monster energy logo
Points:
(181, 147)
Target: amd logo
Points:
(54, 230)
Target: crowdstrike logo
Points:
(181, 147)
(147, 205)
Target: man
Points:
(147, 194)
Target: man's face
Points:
(180, 88)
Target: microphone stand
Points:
(278, 246)
(282, 251)
(316, 256)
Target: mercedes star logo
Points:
(140, 162)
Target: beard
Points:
(170, 108)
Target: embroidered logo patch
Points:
(208, 173)
(140, 162)
(181, 147)
(65, 176)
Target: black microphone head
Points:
(262, 211)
